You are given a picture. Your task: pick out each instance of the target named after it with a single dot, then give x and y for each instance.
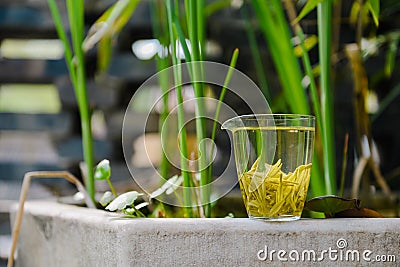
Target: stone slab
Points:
(61, 235)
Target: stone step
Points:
(31, 71)
(56, 124)
(29, 147)
(71, 149)
(104, 94)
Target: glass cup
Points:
(273, 155)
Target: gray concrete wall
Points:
(62, 235)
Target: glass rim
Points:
(274, 116)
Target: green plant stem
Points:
(63, 37)
(162, 63)
(291, 11)
(179, 33)
(87, 137)
(76, 15)
(195, 16)
(111, 187)
(220, 100)
(181, 115)
(200, 25)
(275, 28)
(164, 165)
(324, 11)
(317, 182)
(138, 212)
(313, 86)
(76, 68)
(196, 74)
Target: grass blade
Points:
(75, 17)
(63, 37)
(220, 100)
(181, 116)
(275, 28)
(324, 12)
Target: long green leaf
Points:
(106, 27)
(180, 111)
(195, 19)
(200, 25)
(63, 37)
(216, 6)
(76, 67)
(313, 86)
(276, 31)
(275, 28)
(317, 183)
(159, 31)
(374, 9)
(110, 22)
(182, 40)
(228, 77)
(76, 21)
(324, 33)
(391, 57)
(309, 6)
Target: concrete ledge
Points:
(60, 235)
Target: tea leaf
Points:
(274, 192)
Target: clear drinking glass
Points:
(273, 155)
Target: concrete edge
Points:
(56, 234)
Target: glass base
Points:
(284, 218)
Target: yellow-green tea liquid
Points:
(274, 167)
